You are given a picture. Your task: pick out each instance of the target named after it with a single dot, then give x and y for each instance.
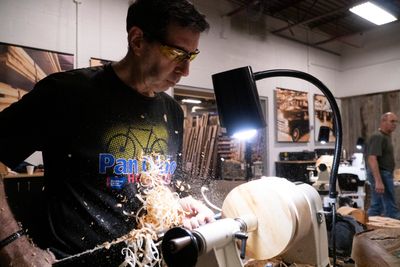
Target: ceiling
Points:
(329, 21)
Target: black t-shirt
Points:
(95, 133)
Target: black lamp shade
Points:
(323, 135)
(237, 100)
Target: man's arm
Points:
(21, 251)
(374, 167)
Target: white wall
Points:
(52, 25)
(375, 66)
(43, 24)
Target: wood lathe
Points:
(270, 216)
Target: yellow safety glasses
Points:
(177, 54)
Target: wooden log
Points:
(378, 247)
(376, 222)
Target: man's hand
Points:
(196, 213)
(374, 167)
(23, 253)
(379, 186)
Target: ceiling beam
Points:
(280, 9)
(338, 37)
(333, 12)
(331, 20)
(307, 44)
(241, 8)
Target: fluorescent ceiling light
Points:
(373, 13)
(192, 101)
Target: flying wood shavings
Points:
(160, 211)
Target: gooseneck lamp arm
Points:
(338, 133)
(335, 109)
(238, 107)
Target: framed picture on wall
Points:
(323, 116)
(21, 67)
(292, 116)
(98, 62)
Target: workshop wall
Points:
(94, 28)
(361, 118)
(373, 66)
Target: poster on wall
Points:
(98, 62)
(323, 116)
(292, 116)
(21, 67)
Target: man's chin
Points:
(171, 84)
(165, 86)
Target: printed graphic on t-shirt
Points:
(133, 149)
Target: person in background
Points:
(381, 163)
(95, 121)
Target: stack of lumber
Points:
(18, 60)
(9, 95)
(53, 61)
(204, 144)
(230, 149)
(226, 147)
(199, 144)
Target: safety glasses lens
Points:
(178, 54)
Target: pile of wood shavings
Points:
(160, 211)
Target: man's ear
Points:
(135, 40)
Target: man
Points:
(381, 164)
(99, 125)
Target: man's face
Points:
(389, 125)
(160, 71)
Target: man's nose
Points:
(183, 68)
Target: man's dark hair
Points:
(154, 16)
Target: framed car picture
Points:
(323, 116)
(292, 116)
